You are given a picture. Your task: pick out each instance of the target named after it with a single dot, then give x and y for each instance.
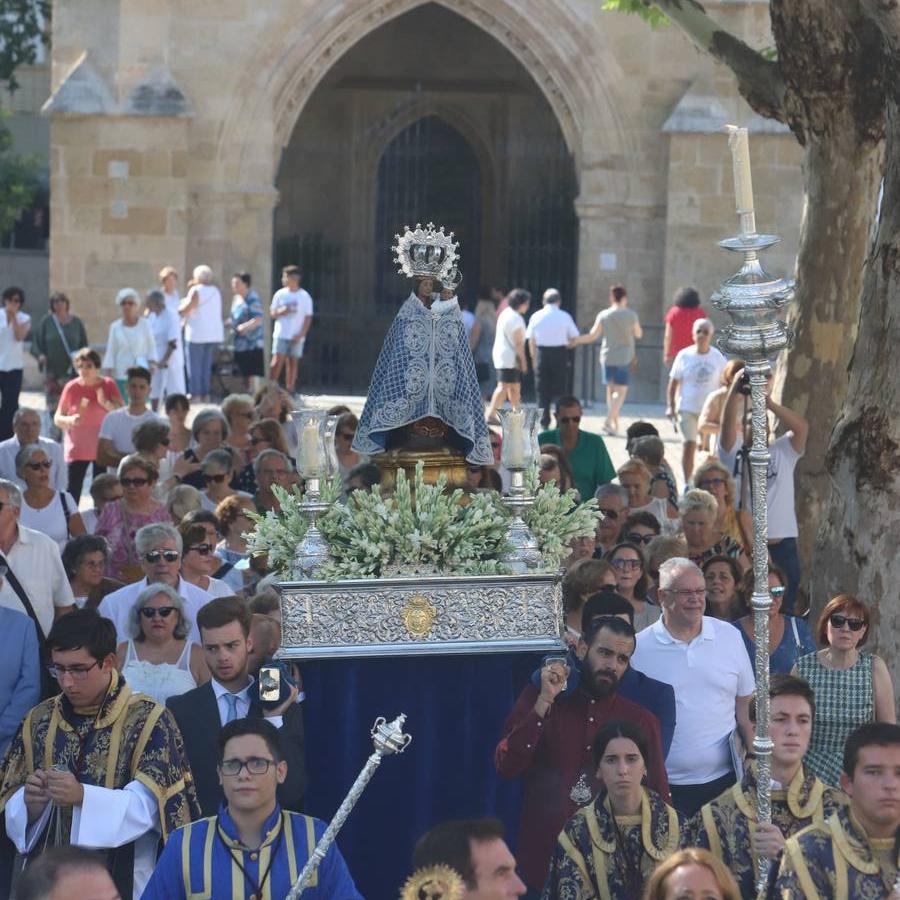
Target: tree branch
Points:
(885, 14)
(759, 80)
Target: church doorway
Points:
(403, 129)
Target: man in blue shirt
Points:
(251, 839)
(20, 672)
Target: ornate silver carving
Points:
(426, 252)
(404, 616)
(388, 738)
(752, 298)
(312, 553)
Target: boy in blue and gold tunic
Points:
(252, 848)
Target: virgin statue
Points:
(424, 392)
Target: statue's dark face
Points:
(425, 288)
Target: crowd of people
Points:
(135, 631)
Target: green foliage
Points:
(19, 179)
(22, 25)
(646, 9)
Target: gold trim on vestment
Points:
(843, 844)
(310, 846)
(747, 804)
(289, 846)
(792, 850)
(600, 850)
(575, 855)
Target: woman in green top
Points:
(852, 687)
(57, 337)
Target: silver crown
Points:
(425, 252)
(453, 279)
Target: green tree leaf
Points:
(647, 10)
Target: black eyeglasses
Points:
(839, 621)
(217, 479)
(78, 673)
(563, 420)
(255, 765)
(130, 482)
(38, 465)
(608, 514)
(202, 549)
(151, 612)
(154, 556)
(635, 538)
(702, 331)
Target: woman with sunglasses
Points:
(151, 442)
(120, 520)
(633, 583)
(640, 528)
(44, 509)
(852, 687)
(199, 560)
(218, 473)
(157, 659)
(265, 434)
(790, 637)
(239, 413)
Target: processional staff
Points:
(752, 298)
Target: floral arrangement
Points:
(420, 529)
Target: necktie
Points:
(231, 703)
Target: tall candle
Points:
(740, 158)
(514, 440)
(309, 448)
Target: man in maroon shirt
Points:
(548, 743)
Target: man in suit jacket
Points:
(224, 625)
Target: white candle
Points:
(740, 158)
(514, 440)
(309, 449)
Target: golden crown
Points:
(425, 252)
(434, 883)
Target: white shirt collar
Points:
(220, 690)
(664, 636)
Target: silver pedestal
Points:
(524, 555)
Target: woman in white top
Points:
(199, 560)
(130, 341)
(204, 330)
(635, 477)
(158, 660)
(14, 328)
(51, 512)
(218, 468)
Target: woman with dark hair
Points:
(344, 433)
(611, 847)
(265, 434)
(84, 559)
(723, 588)
(633, 582)
(83, 406)
(679, 321)
(555, 466)
(640, 528)
(54, 342)
(789, 636)
(852, 687)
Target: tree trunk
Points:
(857, 547)
(842, 171)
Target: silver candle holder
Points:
(518, 453)
(752, 298)
(312, 426)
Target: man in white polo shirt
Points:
(159, 550)
(549, 332)
(27, 430)
(713, 681)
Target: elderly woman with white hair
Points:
(130, 340)
(45, 509)
(705, 539)
(714, 476)
(204, 330)
(158, 659)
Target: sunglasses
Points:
(839, 621)
(202, 549)
(150, 612)
(702, 331)
(626, 564)
(132, 482)
(39, 465)
(217, 479)
(777, 592)
(549, 466)
(608, 514)
(635, 538)
(154, 556)
(564, 420)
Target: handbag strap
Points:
(62, 334)
(23, 597)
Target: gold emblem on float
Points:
(434, 883)
(418, 616)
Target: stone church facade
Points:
(567, 146)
